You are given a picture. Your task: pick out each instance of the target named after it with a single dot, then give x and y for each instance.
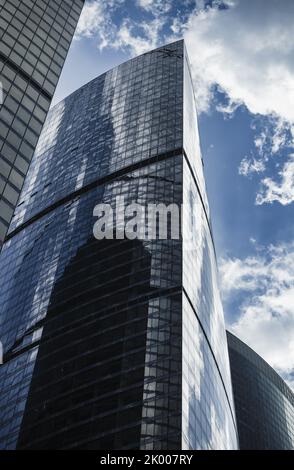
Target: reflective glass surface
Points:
(111, 344)
(208, 419)
(34, 39)
(264, 402)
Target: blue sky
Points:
(242, 57)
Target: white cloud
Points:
(275, 134)
(266, 316)
(281, 191)
(144, 35)
(251, 165)
(274, 139)
(96, 21)
(155, 7)
(145, 3)
(138, 43)
(247, 50)
(237, 275)
(90, 20)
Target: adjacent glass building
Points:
(115, 343)
(35, 36)
(264, 402)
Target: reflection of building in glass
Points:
(34, 39)
(264, 402)
(115, 344)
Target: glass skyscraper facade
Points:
(35, 36)
(264, 402)
(115, 343)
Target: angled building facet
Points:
(115, 343)
(34, 40)
(264, 402)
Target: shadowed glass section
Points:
(264, 403)
(47, 250)
(88, 379)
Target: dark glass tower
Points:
(35, 36)
(115, 343)
(264, 402)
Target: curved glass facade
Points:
(115, 344)
(264, 402)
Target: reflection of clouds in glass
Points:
(204, 403)
(41, 160)
(192, 224)
(200, 276)
(51, 129)
(48, 268)
(221, 433)
(124, 117)
(201, 284)
(193, 364)
(190, 133)
(1, 93)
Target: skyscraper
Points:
(34, 40)
(115, 343)
(264, 402)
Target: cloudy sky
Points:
(242, 56)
